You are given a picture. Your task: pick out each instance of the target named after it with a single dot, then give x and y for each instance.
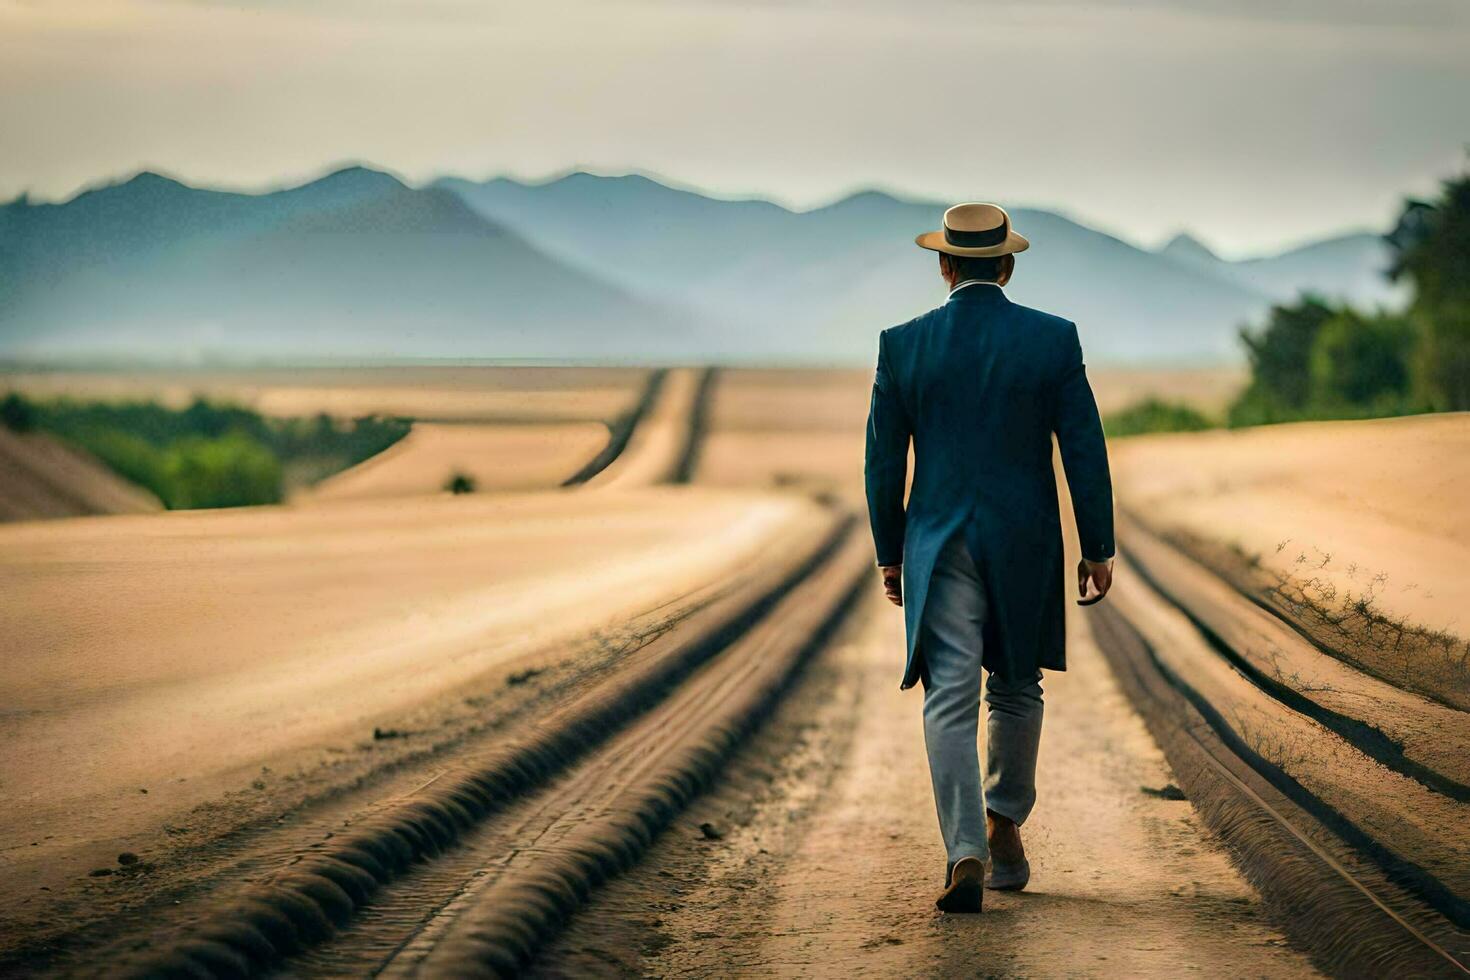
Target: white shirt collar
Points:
(973, 282)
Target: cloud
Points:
(1255, 123)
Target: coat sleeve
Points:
(885, 466)
(1084, 454)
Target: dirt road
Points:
(813, 852)
(829, 855)
(638, 731)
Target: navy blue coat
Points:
(980, 385)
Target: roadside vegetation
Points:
(1317, 360)
(1314, 359)
(1155, 415)
(210, 454)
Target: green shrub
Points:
(323, 437)
(16, 414)
(1154, 415)
(460, 483)
(231, 471)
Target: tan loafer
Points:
(966, 889)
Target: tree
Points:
(1431, 243)
(1280, 355)
(16, 414)
(1361, 362)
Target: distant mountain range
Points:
(1346, 268)
(352, 265)
(357, 264)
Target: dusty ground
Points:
(829, 856)
(154, 664)
(1341, 501)
(498, 458)
(788, 429)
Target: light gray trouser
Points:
(954, 615)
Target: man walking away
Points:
(980, 385)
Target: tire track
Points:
(600, 821)
(1421, 739)
(698, 427)
(1333, 895)
(305, 903)
(666, 437)
(623, 431)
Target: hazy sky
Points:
(1256, 123)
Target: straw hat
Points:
(979, 230)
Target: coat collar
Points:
(975, 289)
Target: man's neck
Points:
(965, 283)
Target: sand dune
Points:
(1341, 501)
(496, 457)
(41, 477)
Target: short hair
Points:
(974, 267)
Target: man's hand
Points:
(1097, 573)
(892, 582)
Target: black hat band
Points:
(977, 239)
